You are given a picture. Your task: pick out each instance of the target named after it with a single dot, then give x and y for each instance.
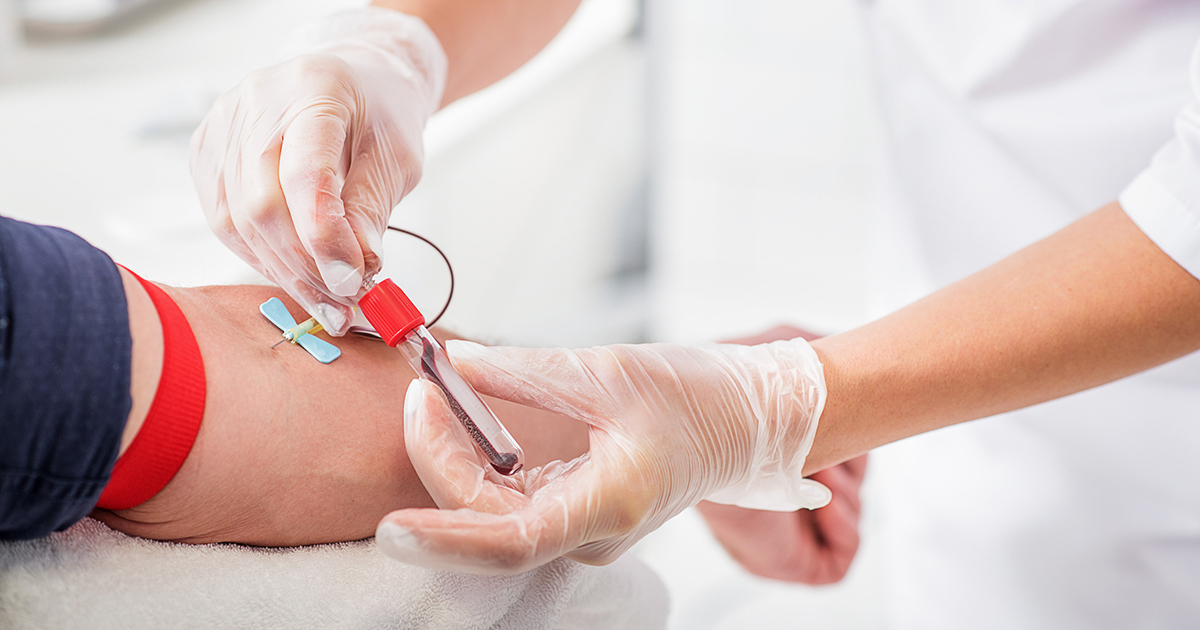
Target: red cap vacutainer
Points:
(390, 311)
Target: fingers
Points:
(501, 529)
(554, 523)
(259, 213)
(857, 467)
(475, 542)
(554, 380)
(453, 471)
(835, 526)
(310, 168)
(268, 172)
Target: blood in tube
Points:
(505, 463)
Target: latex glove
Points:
(298, 167)
(807, 546)
(669, 426)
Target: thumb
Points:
(454, 473)
(552, 379)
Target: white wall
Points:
(765, 149)
(765, 152)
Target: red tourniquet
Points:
(170, 428)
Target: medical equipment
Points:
(299, 334)
(402, 326)
(294, 334)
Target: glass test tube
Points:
(430, 361)
(401, 325)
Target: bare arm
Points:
(485, 40)
(290, 451)
(1093, 303)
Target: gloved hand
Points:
(298, 168)
(669, 425)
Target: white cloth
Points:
(95, 578)
(1006, 121)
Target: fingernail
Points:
(375, 241)
(397, 541)
(412, 398)
(462, 349)
(341, 278)
(331, 318)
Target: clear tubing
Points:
(494, 441)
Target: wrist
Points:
(783, 384)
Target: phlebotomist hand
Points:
(298, 168)
(668, 426)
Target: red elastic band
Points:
(167, 434)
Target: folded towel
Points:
(93, 577)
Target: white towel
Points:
(93, 577)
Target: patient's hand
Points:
(808, 546)
(294, 452)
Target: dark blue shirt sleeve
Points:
(65, 352)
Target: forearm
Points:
(291, 451)
(485, 40)
(1093, 303)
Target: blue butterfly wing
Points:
(274, 310)
(320, 349)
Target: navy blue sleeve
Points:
(65, 352)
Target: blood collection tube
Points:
(402, 326)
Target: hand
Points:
(807, 546)
(298, 168)
(668, 426)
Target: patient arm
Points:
(290, 451)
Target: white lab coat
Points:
(1006, 121)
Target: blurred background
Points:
(682, 170)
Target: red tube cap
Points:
(390, 312)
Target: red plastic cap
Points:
(390, 312)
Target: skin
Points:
(806, 546)
(1093, 303)
(283, 435)
(485, 40)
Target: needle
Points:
(294, 334)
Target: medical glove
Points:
(669, 425)
(298, 167)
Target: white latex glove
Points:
(669, 426)
(298, 167)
